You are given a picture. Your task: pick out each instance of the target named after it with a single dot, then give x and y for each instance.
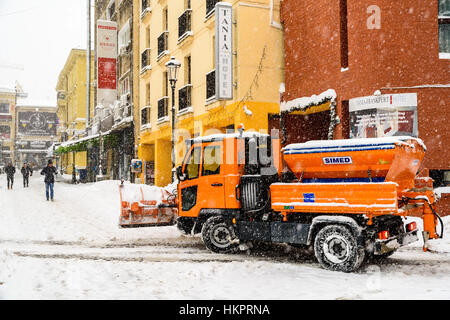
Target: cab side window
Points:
(211, 160)
(193, 165)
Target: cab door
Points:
(189, 188)
(211, 187)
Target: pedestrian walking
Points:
(10, 170)
(49, 171)
(26, 174)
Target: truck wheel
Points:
(218, 236)
(336, 249)
(185, 225)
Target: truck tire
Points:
(218, 236)
(185, 225)
(336, 249)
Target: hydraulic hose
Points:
(434, 213)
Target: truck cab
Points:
(211, 171)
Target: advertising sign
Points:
(224, 51)
(34, 145)
(37, 123)
(383, 116)
(106, 62)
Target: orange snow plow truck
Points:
(346, 199)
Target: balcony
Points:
(184, 99)
(184, 25)
(163, 44)
(145, 8)
(163, 109)
(210, 7)
(211, 86)
(145, 60)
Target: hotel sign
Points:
(224, 51)
(106, 62)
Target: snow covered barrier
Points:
(147, 206)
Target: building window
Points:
(125, 86)
(187, 70)
(4, 108)
(344, 34)
(211, 85)
(147, 37)
(124, 38)
(163, 108)
(444, 28)
(147, 94)
(145, 58)
(165, 84)
(184, 97)
(163, 43)
(111, 10)
(210, 7)
(184, 24)
(145, 4)
(145, 115)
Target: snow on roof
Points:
(321, 144)
(221, 136)
(36, 103)
(307, 102)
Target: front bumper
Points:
(385, 246)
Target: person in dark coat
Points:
(49, 171)
(10, 170)
(26, 174)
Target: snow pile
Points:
(439, 191)
(307, 102)
(345, 143)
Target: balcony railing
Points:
(210, 6)
(184, 24)
(145, 59)
(211, 85)
(163, 43)
(163, 107)
(145, 7)
(184, 97)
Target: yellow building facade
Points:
(186, 30)
(71, 106)
(7, 125)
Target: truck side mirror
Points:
(180, 175)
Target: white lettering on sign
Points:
(224, 51)
(337, 160)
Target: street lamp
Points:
(172, 67)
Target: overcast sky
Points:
(38, 36)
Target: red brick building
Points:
(358, 47)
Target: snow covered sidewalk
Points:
(73, 249)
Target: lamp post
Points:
(172, 67)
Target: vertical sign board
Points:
(224, 51)
(383, 116)
(106, 62)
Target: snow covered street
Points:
(73, 249)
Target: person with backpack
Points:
(10, 170)
(49, 172)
